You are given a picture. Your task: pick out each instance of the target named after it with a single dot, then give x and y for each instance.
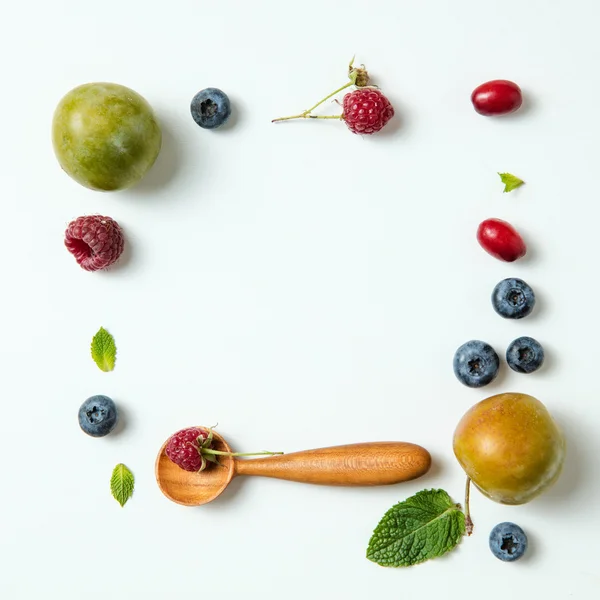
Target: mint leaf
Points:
(104, 350)
(121, 484)
(422, 527)
(511, 182)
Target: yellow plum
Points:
(510, 447)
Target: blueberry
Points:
(513, 299)
(508, 542)
(210, 108)
(525, 355)
(98, 416)
(476, 364)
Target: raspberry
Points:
(96, 242)
(366, 110)
(183, 448)
(192, 449)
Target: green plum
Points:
(510, 447)
(105, 136)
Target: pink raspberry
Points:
(96, 242)
(192, 449)
(366, 110)
(183, 448)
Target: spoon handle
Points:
(376, 463)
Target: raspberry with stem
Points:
(191, 449)
(358, 76)
(365, 110)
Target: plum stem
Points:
(468, 520)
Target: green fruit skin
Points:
(510, 447)
(105, 136)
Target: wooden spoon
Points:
(376, 463)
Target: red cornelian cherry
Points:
(501, 240)
(497, 97)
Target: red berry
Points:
(498, 97)
(183, 448)
(501, 240)
(96, 242)
(366, 110)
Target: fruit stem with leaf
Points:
(468, 520)
(358, 77)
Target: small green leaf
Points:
(211, 458)
(511, 182)
(104, 350)
(121, 484)
(424, 526)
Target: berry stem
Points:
(220, 453)
(468, 520)
(306, 114)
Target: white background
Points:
(297, 284)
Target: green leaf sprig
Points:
(121, 484)
(424, 526)
(104, 350)
(511, 182)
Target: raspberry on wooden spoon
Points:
(366, 110)
(192, 449)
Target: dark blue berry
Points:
(210, 108)
(508, 542)
(525, 355)
(513, 299)
(98, 416)
(476, 364)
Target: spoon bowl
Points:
(367, 464)
(194, 489)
